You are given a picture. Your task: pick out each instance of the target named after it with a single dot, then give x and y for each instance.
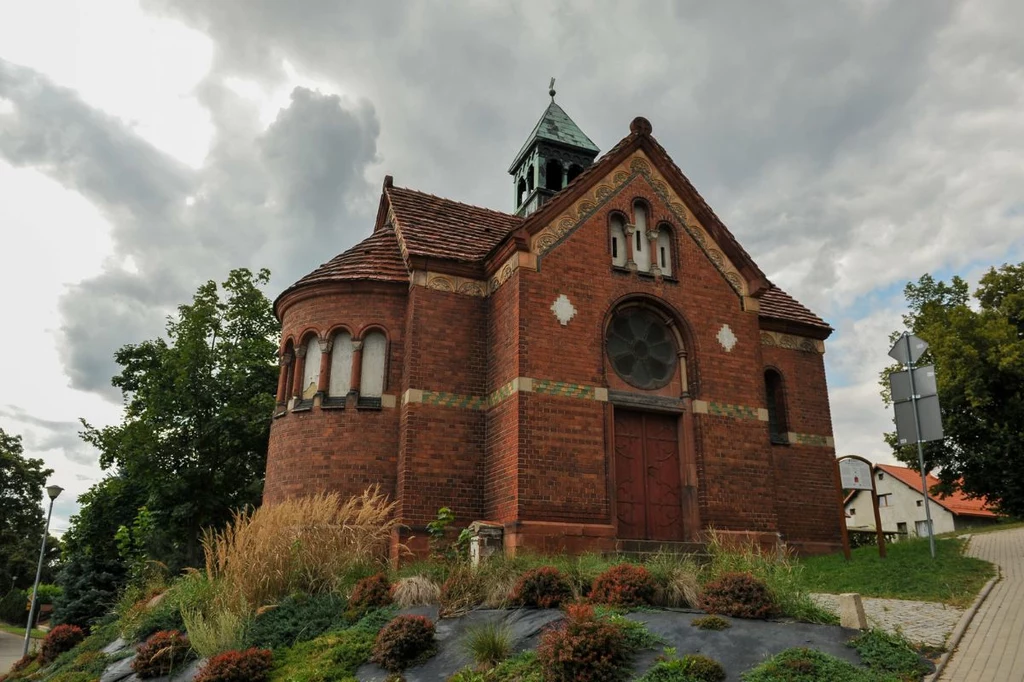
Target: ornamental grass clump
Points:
(584, 648)
(161, 654)
(488, 644)
(740, 595)
(58, 640)
(542, 588)
(624, 585)
(461, 592)
(404, 641)
(416, 590)
(251, 665)
(369, 593)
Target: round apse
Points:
(641, 348)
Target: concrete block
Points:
(851, 611)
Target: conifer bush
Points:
(370, 593)
(689, 668)
(584, 648)
(740, 595)
(162, 653)
(402, 642)
(251, 665)
(543, 588)
(624, 585)
(58, 640)
(297, 618)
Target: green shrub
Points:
(373, 592)
(330, 657)
(46, 594)
(584, 648)
(14, 608)
(251, 665)
(488, 644)
(519, 668)
(298, 618)
(807, 665)
(740, 595)
(58, 640)
(635, 633)
(689, 668)
(889, 654)
(161, 654)
(711, 622)
(403, 642)
(624, 585)
(543, 588)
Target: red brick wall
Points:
(501, 461)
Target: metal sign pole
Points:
(920, 448)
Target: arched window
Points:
(574, 171)
(341, 366)
(374, 356)
(520, 192)
(641, 347)
(664, 253)
(641, 247)
(617, 233)
(529, 179)
(777, 427)
(553, 175)
(311, 370)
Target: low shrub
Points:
(416, 590)
(298, 618)
(624, 585)
(23, 662)
(14, 608)
(334, 656)
(519, 668)
(635, 633)
(740, 595)
(251, 665)
(162, 653)
(488, 644)
(584, 648)
(542, 588)
(689, 668)
(58, 640)
(403, 642)
(889, 654)
(460, 592)
(807, 665)
(711, 622)
(369, 593)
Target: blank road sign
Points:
(924, 383)
(929, 416)
(906, 356)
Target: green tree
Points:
(193, 440)
(21, 514)
(978, 351)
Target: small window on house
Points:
(921, 528)
(774, 395)
(553, 175)
(617, 233)
(881, 476)
(641, 249)
(574, 171)
(853, 512)
(372, 375)
(341, 366)
(901, 527)
(665, 250)
(884, 500)
(919, 503)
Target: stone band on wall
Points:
(792, 342)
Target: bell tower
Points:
(554, 154)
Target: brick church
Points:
(603, 369)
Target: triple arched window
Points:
(334, 368)
(638, 245)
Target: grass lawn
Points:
(15, 630)
(908, 573)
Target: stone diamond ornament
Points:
(563, 309)
(727, 338)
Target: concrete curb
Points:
(961, 627)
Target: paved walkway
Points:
(920, 621)
(10, 650)
(993, 646)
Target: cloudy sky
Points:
(147, 146)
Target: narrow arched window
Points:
(778, 429)
(617, 234)
(311, 369)
(664, 254)
(374, 356)
(574, 171)
(520, 192)
(553, 175)
(641, 247)
(341, 366)
(529, 179)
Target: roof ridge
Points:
(455, 201)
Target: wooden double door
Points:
(648, 484)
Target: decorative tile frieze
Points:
(792, 342)
(810, 439)
(517, 385)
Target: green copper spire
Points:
(556, 142)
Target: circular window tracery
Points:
(641, 348)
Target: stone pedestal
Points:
(851, 611)
(486, 540)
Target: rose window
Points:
(641, 348)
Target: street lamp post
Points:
(53, 491)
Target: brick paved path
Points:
(992, 649)
(920, 621)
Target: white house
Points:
(901, 505)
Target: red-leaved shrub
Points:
(58, 640)
(584, 648)
(162, 653)
(22, 663)
(402, 642)
(624, 585)
(740, 595)
(251, 665)
(543, 588)
(370, 593)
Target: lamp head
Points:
(53, 491)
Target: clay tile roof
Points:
(441, 228)
(375, 258)
(776, 303)
(956, 503)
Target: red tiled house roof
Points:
(955, 503)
